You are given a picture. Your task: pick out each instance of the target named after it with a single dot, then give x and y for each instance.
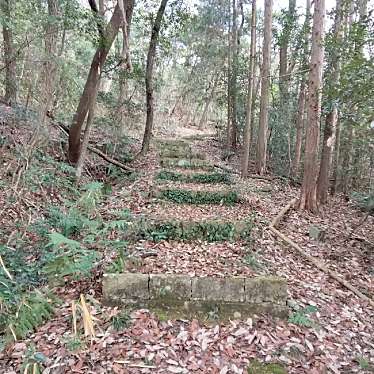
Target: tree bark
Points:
(234, 76)
(93, 79)
(308, 197)
(9, 55)
(49, 70)
(265, 83)
(229, 74)
(149, 77)
(299, 130)
(126, 65)
(332, 116)
(248, 128)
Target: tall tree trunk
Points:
(265, 83)
(125, 66)
(346, 174)
(248, 128)
(300, 116)
(308, 197)
(93, 80)
(332, 116)
(149, 77)
(229, 81)
(9, 55)
(234, 76)
(49, 70)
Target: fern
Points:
(68, 258)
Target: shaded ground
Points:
(330, 330)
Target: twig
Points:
(319, 265)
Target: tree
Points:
(265, 83)
(49, 74)
(251, 88)
(9, 53)
(332, 117)
(149, 77)
(92, 83)
(308, 197)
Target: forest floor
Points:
(330, 330)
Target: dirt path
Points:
(329, 330)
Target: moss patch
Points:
(194, 178)
(199, 197)
(184, 163)
(208, 230)
(257, 367)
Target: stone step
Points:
(183, 196)
(203, 178)
(182, 296)
(186, 163)
(207, 230)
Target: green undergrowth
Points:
(180, 196)
(64, 240)
(193, 178)
(186, 164)
(210, 231)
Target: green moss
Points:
(199, 197)
(209, 230)
(194, 178)
(257, 367)
(186, 163)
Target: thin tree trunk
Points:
(92, 83)
(332, 116)
(336, 162)
(149, 77)
(86, 139)
(207, 102)
(265, 84)
(326, 158)
(229, 81)
(299, 130)
(9, 55)
(125, 66)
(49, 71)
(234, 76)
(308, 197)
(248, 127)
(300, 117)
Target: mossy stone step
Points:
(186, 163)
(198, 297)
(207, 230)
(181, 196)
(182, 153)
(166, 175)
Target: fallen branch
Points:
(275, 222)
(101, 154)
(319, 265)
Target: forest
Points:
(187, 186)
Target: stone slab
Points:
(225, 289)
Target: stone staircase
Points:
(186, 179)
